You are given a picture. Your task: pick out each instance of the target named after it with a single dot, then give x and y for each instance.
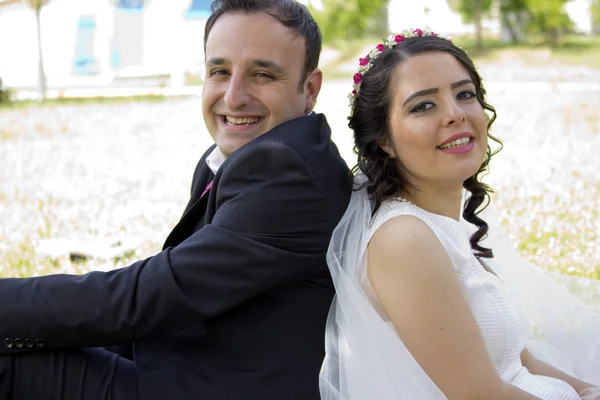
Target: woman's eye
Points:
(467, 94)
(422, 107)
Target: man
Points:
(235, 305)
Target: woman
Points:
(425, 307)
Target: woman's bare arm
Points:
(417, 285)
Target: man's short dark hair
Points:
(289, 13)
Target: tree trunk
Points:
(478, 28)
(41, 73)
(383, 19)
(554, 36)
(510, 28)
(379, 24)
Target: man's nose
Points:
(237, 94)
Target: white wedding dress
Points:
(495, 305)
(366, 358)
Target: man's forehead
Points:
(256, 32)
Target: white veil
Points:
(366, 359)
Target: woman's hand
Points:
(586, 390)
(592, 393)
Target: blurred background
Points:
(101, 124)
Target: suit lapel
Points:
(195, 209)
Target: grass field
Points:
(122, 167)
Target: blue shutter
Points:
(84, 46)
(130, 5)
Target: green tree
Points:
(595, 8)
(550, 18)
(473, 11)
(37, 6)
(347, 19)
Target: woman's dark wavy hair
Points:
(370, 121)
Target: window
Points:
(199, 9)
(130, 5)
(128, 39)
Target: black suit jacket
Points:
(234, 307)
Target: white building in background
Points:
(99, 43)
(103, 42)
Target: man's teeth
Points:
(456, 143)
(241, 121)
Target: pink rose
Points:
(354, 92)
(380, 47)
(433, 34)
(399, 38)
(357, 78)
(363, 61)
(419, 32)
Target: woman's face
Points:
(438, 128)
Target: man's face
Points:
(253, 70)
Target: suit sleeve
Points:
(269, 230)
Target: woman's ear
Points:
(387, 147)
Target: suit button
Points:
(19, 343)
(9, 343)
(28, 343)
(39, 343)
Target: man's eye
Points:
(263, 75)
(218, 72)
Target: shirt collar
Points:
(215, 159)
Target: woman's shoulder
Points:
(404, 245)
(407, 227)
(401, 215)
(399, 226)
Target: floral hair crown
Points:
(367, 62)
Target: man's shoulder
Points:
(300, 144)
(264, 154)
(299, 133)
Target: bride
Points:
(432, 302)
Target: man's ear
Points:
(312, 87)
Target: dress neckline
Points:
(406, 201)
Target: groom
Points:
(234, 307)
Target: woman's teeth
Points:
(456, 143)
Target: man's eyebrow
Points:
(215, 61)
(273, 66)
(435, 90)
